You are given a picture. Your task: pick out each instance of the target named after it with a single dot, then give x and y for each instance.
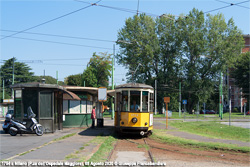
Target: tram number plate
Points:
(134, 115)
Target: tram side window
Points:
(145, 101)
(135, 100)
(151, 102)
(124, 100)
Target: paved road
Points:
(12, 145)
(238, 124)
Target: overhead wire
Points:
(231, 4)
(46, 22)
(61, 36)
(63, 43)
(129, 10)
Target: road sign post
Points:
(102, 96)
(204, 106)
(184, 102)
(166, 100)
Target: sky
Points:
(62, 35)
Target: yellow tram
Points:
(134, 108)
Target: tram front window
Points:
(135, 100)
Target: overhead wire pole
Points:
(112, 103)
(3, 95)
(179, 99)
(13, 76)
(155, 97)
(138, 7)
(221, 97)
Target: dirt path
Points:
(129, 152)
(134, 152)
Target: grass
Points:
(104, 150)
(107, 114)
(64, 137)
(143, 146)
(99, 156)
(161, 134)
(213, 130)
(175, 115)
(71, 156)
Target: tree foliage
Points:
(22, 74)
(98, 71)
(192, 49)
(241, 73)
(48, 80)
(74, 80)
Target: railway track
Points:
(154, 152)
(133, 150)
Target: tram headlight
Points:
(134, 120)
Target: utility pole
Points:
(3, 96)
(57, 77)
(112, 103)
(138, 7)
(221, 97)
(179, 99)
(230, 110)
(13, 76)
(155, 97)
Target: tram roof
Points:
(134, 85)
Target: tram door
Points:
(118, 108)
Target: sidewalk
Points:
(186, 135)
(63, 150)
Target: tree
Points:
(98, 71)
(48, 80)
(143, 48)
(74, 80)
(241, 74)
(192, 49)
(209, 46)
(22, 74)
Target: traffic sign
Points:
(166, 99)
(102, 94)
(184, 101)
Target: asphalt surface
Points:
(238, 124)
(11, 146)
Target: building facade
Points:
(237, 101)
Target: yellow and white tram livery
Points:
(134, 108)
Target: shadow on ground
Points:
(108, 131)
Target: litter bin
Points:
(100, 122)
